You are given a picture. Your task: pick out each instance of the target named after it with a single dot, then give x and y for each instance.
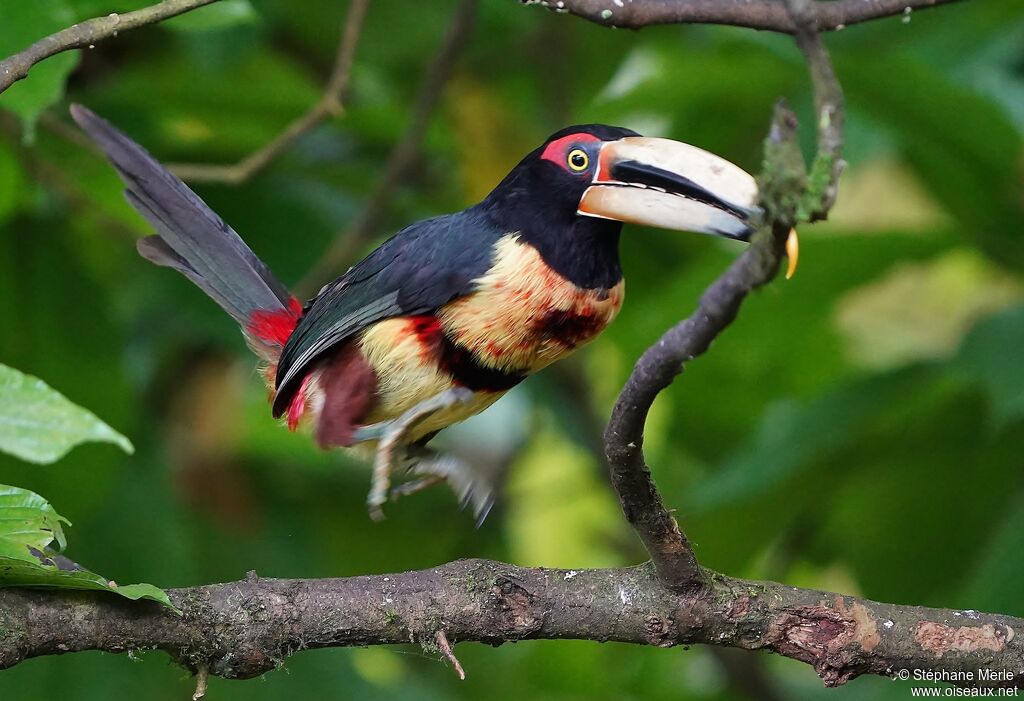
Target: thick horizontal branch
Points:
(770, 15)
(88, 33)
(247, 628)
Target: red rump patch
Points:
(274, 327)
(298, 405)
(350, 390)
(556, 151)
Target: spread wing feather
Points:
(417, 271)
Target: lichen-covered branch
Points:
(788, 196)
(770, 15)
(657, 368)
(88, 33)
(243, 629)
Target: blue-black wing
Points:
(417, 271)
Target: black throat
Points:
(583, 250)
(586, 252)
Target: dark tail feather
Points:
(189, 237)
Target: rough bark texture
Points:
(243, 629)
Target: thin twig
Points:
(828, 164)
(789, 196)
(769, 15)
(89, 33)
(403, 157)
(329, 105)
(446, 649)
(202, 679)
(641, 503)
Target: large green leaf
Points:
(27, 518)
(28, 527)
(40, 425)
(22, 24)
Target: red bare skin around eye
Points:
(556, 151)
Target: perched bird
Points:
(450, 313)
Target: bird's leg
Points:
(392, 437)
(413, 486)
(432, 468)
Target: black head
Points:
(570, 196)
(552, 178)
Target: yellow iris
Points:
(578, 160)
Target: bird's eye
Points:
(578, 160)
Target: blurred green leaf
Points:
(922, 311)
(40, 425)
(22, 24)
(793, 436)
(991, 356)
(28, 525)
(995, 583)
(10, 183)
(221, 15)
(85, 9)
(960, 141)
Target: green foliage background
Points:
(859, 428)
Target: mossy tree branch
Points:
(243, 629)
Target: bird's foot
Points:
(469, 488)
(392, 437)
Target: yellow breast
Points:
(523, 315)
(520, 317)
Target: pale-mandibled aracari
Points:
(450, 313)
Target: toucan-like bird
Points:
(450, 313)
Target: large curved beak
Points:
(672, 185)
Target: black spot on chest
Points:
(467, 370)
(570, 328)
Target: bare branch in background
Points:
(403, 157)
(89, 33)
(770, 15)
(329, 105)
(828, 164)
